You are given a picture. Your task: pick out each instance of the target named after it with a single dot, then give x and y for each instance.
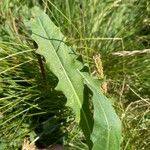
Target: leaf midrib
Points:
(108, 126)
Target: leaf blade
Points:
(106, 134)
(104, 129)
(58, 59)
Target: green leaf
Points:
(58, 58)
(61, 61)
(106, 134)
(100, 126)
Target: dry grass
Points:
(136, 125)
(27, 145)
